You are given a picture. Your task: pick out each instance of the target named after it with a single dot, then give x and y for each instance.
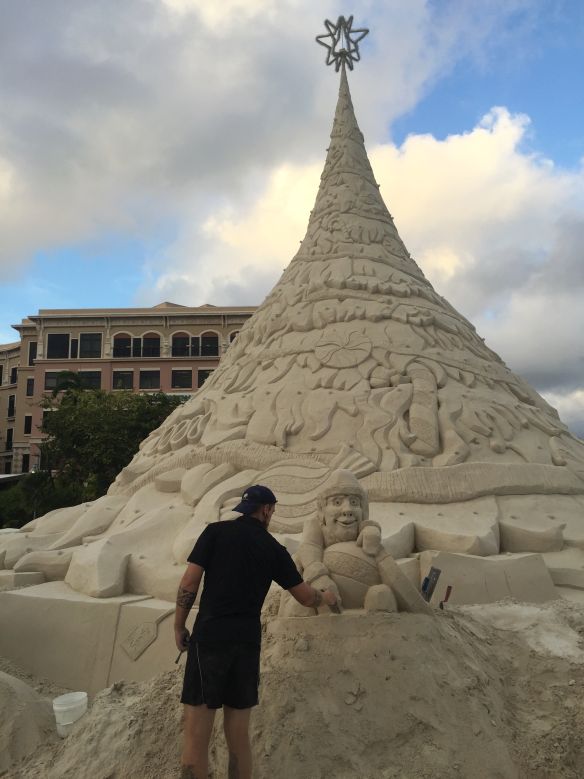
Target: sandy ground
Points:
(482, 692)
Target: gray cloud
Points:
(528, 306)
(116, 115)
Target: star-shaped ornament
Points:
(343, 45)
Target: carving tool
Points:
(180, 654)
(336, 609)
(446, 596)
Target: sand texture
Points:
(482, 692)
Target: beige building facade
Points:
(167, 348)
(9, 363)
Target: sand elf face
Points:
(342, 517)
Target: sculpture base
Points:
(85, 643)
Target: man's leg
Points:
(198, 727)
(236, 725)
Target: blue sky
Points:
(541, 77)
(83, 276)
(143, 150)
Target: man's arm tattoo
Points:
(233, 770)
(317, 599)
(185, 598)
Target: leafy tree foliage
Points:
(34, 495)
(93, 434)
(67, 380)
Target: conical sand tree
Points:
(353, 359)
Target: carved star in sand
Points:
(344, 42)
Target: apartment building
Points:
(9, 362)
(168, 348)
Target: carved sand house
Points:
(353, 361)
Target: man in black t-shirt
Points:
(240, 559)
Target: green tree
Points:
(35, 495)
(67, 380)
(93, 434)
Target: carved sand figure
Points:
(342, 551)
(353, 361)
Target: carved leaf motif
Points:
(338, 350)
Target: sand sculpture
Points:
(342, 550)
(352, 362)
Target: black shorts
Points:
(218, 674)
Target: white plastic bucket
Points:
(68, 709)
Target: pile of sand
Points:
(480, 692)
(26, 720)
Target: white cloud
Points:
(224, 12)
(475, 207)
(6, 182)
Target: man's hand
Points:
(313, 597)
(326, 583)
(182, 638)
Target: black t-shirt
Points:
(241, 559)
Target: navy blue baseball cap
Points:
(255, 496)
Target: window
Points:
(209, 345)
(11, 405)
(90, 345)
(137, 347)
(32, 352)
(57, 346)
(9, 437)
(202, 377)
(25, 463)
(184, 345)
(51, 380)
(233, 336)
(13, 375)
(180, 345)
(149, 379)
(74, 348)
(122, 346)
(1, 373)
(151, 346)
(8, 467)
(29, 388)
(27, 425)
(182, 379)
(123, 380)
(90, 379)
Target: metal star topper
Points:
(343, 47)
